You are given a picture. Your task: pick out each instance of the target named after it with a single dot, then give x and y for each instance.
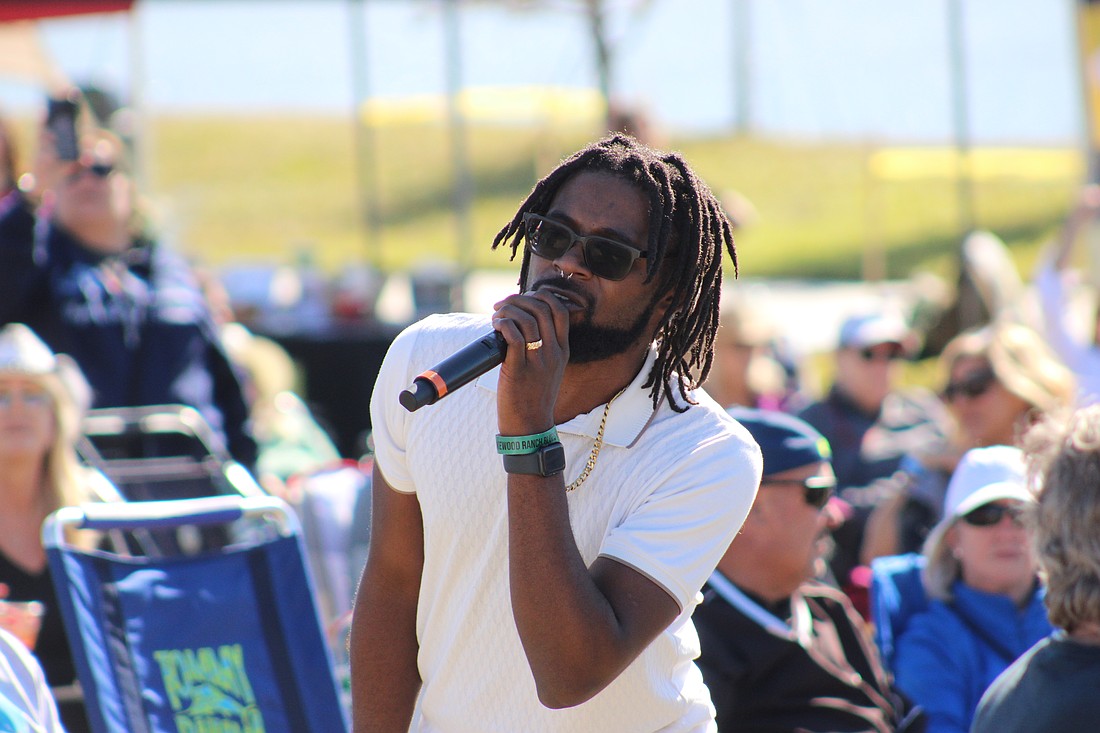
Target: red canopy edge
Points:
(11, 10)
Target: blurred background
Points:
(342, 165)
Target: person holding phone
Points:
(83, 269)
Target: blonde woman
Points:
(42, 397)
(1000, 379)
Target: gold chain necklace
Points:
(596, 446)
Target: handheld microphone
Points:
(461, 367)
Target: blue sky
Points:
(865, 69)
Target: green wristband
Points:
(518, 445)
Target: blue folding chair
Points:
(225, 639)
(897, 592)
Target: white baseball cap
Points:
(22, 352)
(986, 475)
(872, 329)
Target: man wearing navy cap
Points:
(781, 651)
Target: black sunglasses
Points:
(605, 257)
(988, 515)
(972, 385)
(869, 354)
(816, 490)
(98, 169)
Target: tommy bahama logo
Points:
(209, 690)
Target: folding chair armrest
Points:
(165, 515)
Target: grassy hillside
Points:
(233, 190)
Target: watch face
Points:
(553, 459)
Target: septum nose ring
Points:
(561, 272)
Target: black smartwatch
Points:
(546, 461)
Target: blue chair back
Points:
(228, 639)
(897, 592)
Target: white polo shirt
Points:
(668, 493)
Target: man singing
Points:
(540, 536)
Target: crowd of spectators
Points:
(96, 314)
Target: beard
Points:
(589, 342)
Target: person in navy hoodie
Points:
(985, 598)
(80, 268)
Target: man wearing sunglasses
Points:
(540, 536)
(782, 651)
(871, 423)
(83, 270)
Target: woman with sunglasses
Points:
(985, 604)
(82, 269)
(1001, 378)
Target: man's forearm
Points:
(384, 676)
(580, 626)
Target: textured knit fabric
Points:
(1052, 688)
(26, 705)
(765, 682)
(950, 653)
(668, 493)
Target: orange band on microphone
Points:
(440, 385)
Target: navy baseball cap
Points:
(785, 441)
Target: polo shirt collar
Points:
(630, 412)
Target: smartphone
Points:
(61, 121)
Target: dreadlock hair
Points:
(686, 227)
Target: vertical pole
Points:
(961, 114)
(968, 301)
(363, 136)
(1088, 49)
(140, 132)
(1088, 46)
(742, 20)
(456, 125)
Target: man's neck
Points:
(584, 387)
(758, 581)
(867, 406)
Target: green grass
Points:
(268, 189)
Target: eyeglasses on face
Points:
(605, 257)
(30, 398)
(886, 352)
(816, 490)
(972, 385)
(987, 515)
